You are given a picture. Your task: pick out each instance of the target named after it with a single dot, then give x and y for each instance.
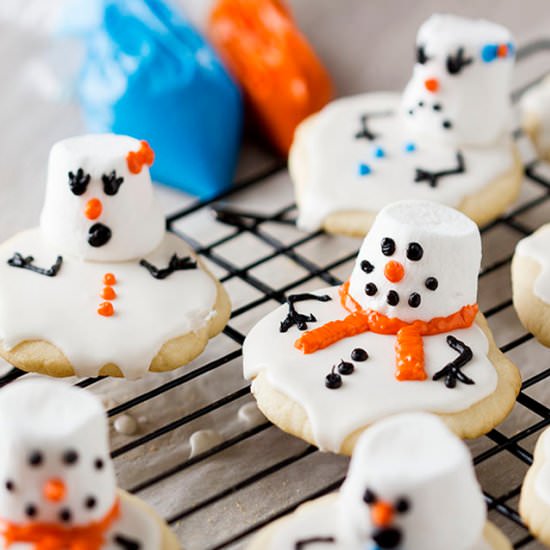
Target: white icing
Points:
(410, 456)
(39, 415)
(535, 104)
(542, 481)
(537, 248)
(476, 100)
(250, 415)
(328, 162)
(203, 440)
(63, 309)
(372, 391)
(451, 253)
(132, 214)
(125, 424)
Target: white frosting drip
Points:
(412, 457)
(326, 160)
(537, 248)
(451, 254)
(372, 391)
(475, 100)
(542, 481)
(148, 311)
(51, 418)
(535, 103)
(132, 214)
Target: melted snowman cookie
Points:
(410, 485)
(403, 334)
(534, 504)
(58, 481)
(100, 288)
(446, 138)
(535, 116)
(531, 283)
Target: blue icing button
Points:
(410, 147)
(149, 74)
(489, 52)
(378, 152)
(364, 169)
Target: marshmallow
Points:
(419, 261)
(87, 218)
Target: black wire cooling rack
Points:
(255, 474)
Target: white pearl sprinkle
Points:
(126, 424)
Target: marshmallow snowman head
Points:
(100, 204)
(420, 260)
(411, 485)
(460, 87)
(55, 466)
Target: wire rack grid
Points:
(248, 473)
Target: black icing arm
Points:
(299, 319)
(432, 178)
(26, 262)
(125, 543)
(365, 132)
(314, 540)
(175, 264)
(451, 372)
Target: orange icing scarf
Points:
(47, 536)
(409, 348)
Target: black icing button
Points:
(370, 289)
(333, 381)
(346, 368)
(431, 283)
(359, 354)
(392, 298)
(414, 299)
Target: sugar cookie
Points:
(100, 288)
(447, 138)
(411, 484)
(535, 116)
(58, 481)
(402, 334)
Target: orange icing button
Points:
(108, 293)
(432, 85)
(106, 309)
(55, 490)
(93, 209)
(382, 514)
(283, 79)
(109, 279)
(394, 271)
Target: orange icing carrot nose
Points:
(432, 84)
(382, 514)
(93, 209)
(55, 490)
(394, 271)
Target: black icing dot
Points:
(369, 497)
(345, 368)
(359, 354)
(415, 252)
(431, 283)
(90, 503)
(414, 299)
(36, 458)
(392, 298)
(371, 289)
(70, 457)
(447, 124)
(65, 515)
(421, 104)
(31, 511)
(10, 486)
(333, 381)
(411, 112)
(367, 267)
(437, 107)
(388, 246)
(403, 505)
(99, 464)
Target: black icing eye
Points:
(414, 252)
(10, 486)
(421, 56)
(99, 464)
(367, 267)
(369, 497)
(36, 458)
(457, 62)
(431, 283)
(78, 182)
(111, 183)
(402, 505)
(414, 299)
(388, 246)
(371, 289)
(70, 457)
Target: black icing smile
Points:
(99, 235)
(389, 537)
